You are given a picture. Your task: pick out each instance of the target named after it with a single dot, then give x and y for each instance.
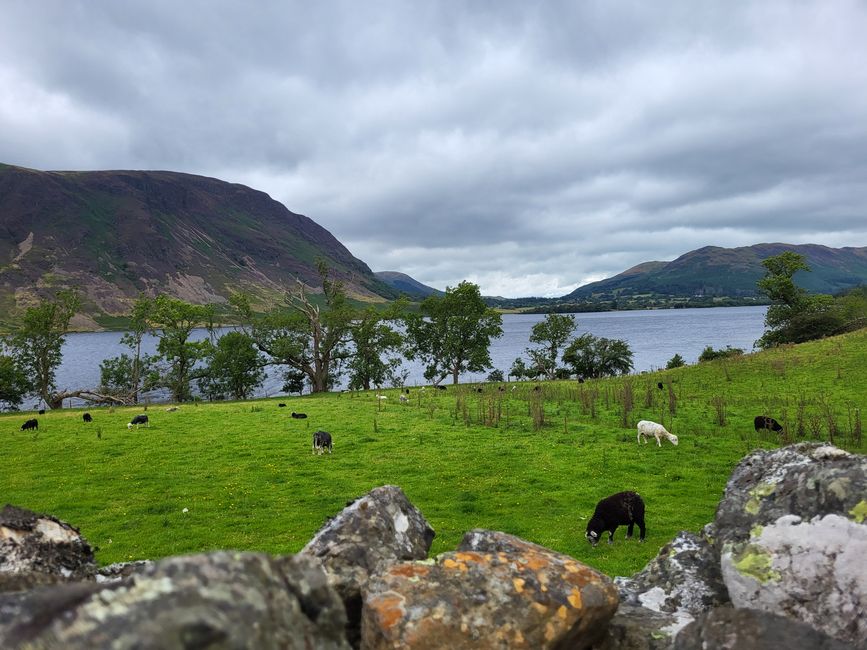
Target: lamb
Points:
(281, 405)
(298, 416)
(646, 428)
(30, 424)
(137, 420)
(403, 399)
(621, 509)
(87, 417)
(321, 442)
(765, 422)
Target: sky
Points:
(528, 146)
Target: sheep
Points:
(621, 509)
(580, 380)
(137, 420)
(659, 385)
(281, 405)
(765, 422)
(171, 409)
(403, 399)
(30, 424)
(87, 417)
(41, 411)
(321, 442)
(438, 387)
(298, 416)
(646, 428)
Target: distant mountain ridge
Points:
(405, 284)
(114, 234)
(732, 272)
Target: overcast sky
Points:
(529, 147)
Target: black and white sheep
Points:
(765, 422)
(646, 428)
(321, 442)
(138, 420)
(621, 509)
(30, 424)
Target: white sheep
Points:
(647, 428)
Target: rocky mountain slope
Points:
(405, 284)
(115, 234)
(715, 271)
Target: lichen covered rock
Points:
(524, 596)
(32, 543)
(792, 537)
(220, 600)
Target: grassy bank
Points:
(246, 474)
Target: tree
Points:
(14, 384)
(305, 338)
(709, 354)
(795, 316)
(122, 376)
(518, 369)
(175, 321)
(234, 367)
(495, 376)
(452, 333)
(675, 362)
(591, 356)
(374, 340)
(552, 334)
(37, 344)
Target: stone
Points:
(219, 600)
(32, 543)
(371, 534)
(725, 628)
(120, 570)
(683, 581)
(635, 627)
(792, 538)
(523, 596)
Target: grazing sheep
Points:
(382, 397)
(41, 411)
(404, 399)
(659, 385)
(298, 416)
(480, 390)
(621, 509)
(137, 420)
(30, 424)
(580, 380)
(438, 387)
(281, 405)
(171, 409)
(646, 428)
(87, 417)
(766, 422)
(321, 442)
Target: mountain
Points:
(115, 234)
(731, 272)
(405, 284)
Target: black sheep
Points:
(765, 422)
(621, 509)
(87, 417)
(298, 416)
(321, 442)
(30, 424)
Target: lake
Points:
(653, 335)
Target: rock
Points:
(524, 596)
(121, 570)
(42, 544)
(683, 581)
(223, 599)
(635, 627)
(738, 629)
(792, 537)
(372, 533)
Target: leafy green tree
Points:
(234, 367)
(795, 315)
(374, 342)
(14, 383)
(518, 369)
(174, 321)
(552, 333)
(496, 376)
(591, 356)
(675, 362)
(123, 376)
(305, 338)
(709, 354)
(452, 333)
(38, 342)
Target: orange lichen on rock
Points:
(388, 610)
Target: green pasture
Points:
(532, 463)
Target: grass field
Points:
(531, 463)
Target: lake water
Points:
(654, 337)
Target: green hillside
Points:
(246, 474)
